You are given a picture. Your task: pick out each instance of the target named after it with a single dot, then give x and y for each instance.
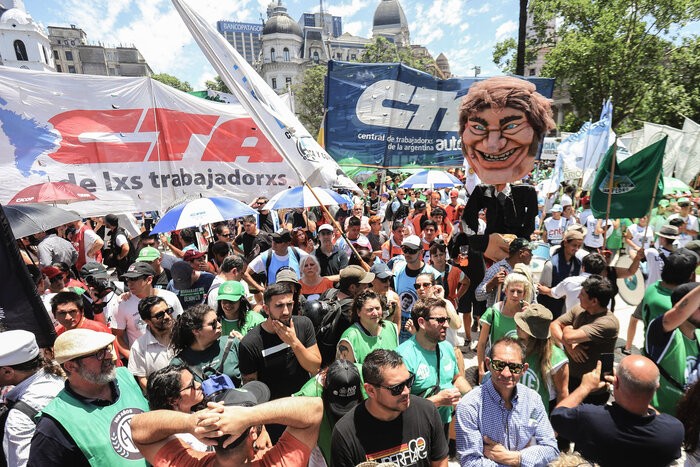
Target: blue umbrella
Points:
(431, 179)
(202, 211)
(301, 197)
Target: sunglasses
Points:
(440, 319)
(189, 387)
(100, 354)
(214, 324)
(515, 368)
(386, 279)
(409, 251)
(161, 314)
(228, 235)
(397, 389)
(424, 285)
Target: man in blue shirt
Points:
(503, 422)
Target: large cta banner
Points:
(391, 115)
(137, 144)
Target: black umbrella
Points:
(28, 219)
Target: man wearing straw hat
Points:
(88, 423)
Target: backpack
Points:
(5, 409)
(333, 323)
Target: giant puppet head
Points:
(502, 121)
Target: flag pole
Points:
(651, 206)
(610, 187)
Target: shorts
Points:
(638, 311)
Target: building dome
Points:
(389, 13)
(281, 23)
(15, 16)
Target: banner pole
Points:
(610, 185)
(651, 206)
(364, 265)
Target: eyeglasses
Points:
(397, 389)
(161, 314)
(228, 235)
(440, 319)
(515, 368)
(386, 279)
(214, 324)
(134, 279)
(100, 354)
(190, 386)
(424, 285)
(409, 251)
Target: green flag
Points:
(633, 182)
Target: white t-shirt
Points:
(637, 232)
(555, 229)
(89, 239)
(127, 314)
(691, 223)
(570, 288)
(592, 239)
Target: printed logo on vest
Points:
(120, 434)
(530, 380)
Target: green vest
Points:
(103, 433)
(363, 344)
(675, 360)
(533, 378)
(501, 325)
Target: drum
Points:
(632, 288)
(540, 250)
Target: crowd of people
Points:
(316, 337)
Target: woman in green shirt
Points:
(368, 331)
(197, 343)
(548, 365)
(497, 321)
(234, 311)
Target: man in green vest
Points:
(88, 423)
(673, 343)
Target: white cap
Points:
(412, 241)
(17, 347)
(323, 227)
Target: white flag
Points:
(688, 164)
(310, 161)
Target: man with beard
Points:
(88, 421)
(502, 121)
(391, 425)
(503, 422)
(152, 351)
(673, 343)
(432, 359)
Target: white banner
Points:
(653, 132)
(688, 166)
(271, 114)
(137, 144)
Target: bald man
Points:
(628, 432)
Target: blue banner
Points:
(391, 115)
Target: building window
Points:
(71, 69)
(69, 55)
(59, 69)
(274, 83)
(20, 51)
(353, 57)
(72, 42)
(285, 52)
(55, 54)
(316, 58)
(272, 55)
(288, 81)
(339, 56)
(532, 72)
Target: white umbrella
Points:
(202, 211)
(431, 179)
(302, 197)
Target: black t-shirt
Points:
(266, 223)
(331, 265)
(274, 361)
(253, 245)
(611, 436)
(414, 438)
(161, 280)
(197, 292)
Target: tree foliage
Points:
(172, 81)
(629, 51)
(381, 50)
(217, 84)
(504, 54)
(309, 98)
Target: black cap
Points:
(93, 269)
(519, 244)
(420, 204)
(281, 236)
(681, 291)
(343, 387)
(139, 269)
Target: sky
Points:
(464, 30)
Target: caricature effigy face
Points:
(502, 121)
(498, 145)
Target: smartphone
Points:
(607, 360)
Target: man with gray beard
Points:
(88, 423)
